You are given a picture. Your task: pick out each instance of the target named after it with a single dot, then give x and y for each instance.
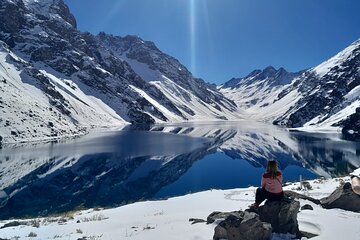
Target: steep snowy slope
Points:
(36, 105)
(192, 96)
(328, 93)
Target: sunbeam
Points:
(113, 12)
(193, 36)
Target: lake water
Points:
(109, 169)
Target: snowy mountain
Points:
(327, 94)
(322, 97)
(192, 97)
(256, 91)
(57, 81)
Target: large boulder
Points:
(243, 226)
(282, 215)
(222, 215)
(277, 217)
(344, 198)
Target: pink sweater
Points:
(272, 185)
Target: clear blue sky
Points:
(221, 39)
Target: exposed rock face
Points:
(282, 215)
(324, 90)
(344, 198)
(244, 226)
(351, 126)
(277, 217)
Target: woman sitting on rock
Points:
(271, 185)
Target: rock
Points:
(14, 133)
(196, 220)
(293, 195)
(307, 207)
(222, 215)
(14, 224)
(246, 226)
(351, 126)
(306, 185)
(344, 198)
(282, 215)
(277, 217)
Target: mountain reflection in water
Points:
(114, 168)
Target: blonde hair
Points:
(272, 168)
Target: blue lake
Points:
(108, 169)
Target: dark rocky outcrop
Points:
(351, 126)
(245, 225)
(307, 207)
(277, 217)
(344, 198)
(282, 215)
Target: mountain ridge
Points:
(87, 84)
(320, 98)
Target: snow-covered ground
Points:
(169, 219)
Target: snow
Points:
(169, 219)
(353, 94)
(142, 69)
(326, 66)
(356, 172)
(165, 111)
(182, 97)
(26, 110)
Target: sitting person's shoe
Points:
(254, 206)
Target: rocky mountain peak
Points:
(47, 9)
(269, 69)
(270, 74)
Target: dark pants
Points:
(262, 194)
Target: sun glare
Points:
(193, 35)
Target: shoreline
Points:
(169, 219)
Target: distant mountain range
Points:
(322, 97)
(57, 81)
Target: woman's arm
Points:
(263, 181)
(280, 177)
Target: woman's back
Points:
(273, 185)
